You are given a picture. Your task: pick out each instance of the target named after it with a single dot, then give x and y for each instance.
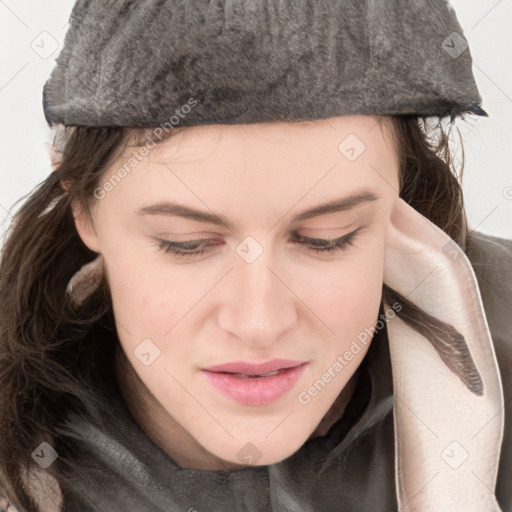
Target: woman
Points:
(248, 283)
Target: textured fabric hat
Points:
(142, 63)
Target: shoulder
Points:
(44, 489)
(491, 259)
(481, 244)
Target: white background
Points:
(24, 134)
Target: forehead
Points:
(279, 137)
(255, 172)
(276, 157)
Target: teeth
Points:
(243, 376)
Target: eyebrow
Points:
(179, 210)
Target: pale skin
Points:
(215, 307)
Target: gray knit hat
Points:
(142, 63)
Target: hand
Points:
(447, 436)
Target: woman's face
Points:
(258, 199)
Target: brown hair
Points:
(48, 346)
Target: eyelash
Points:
(337, 244)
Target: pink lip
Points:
(255, 390)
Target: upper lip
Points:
(246, 368)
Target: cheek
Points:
(158, 301)
(143, 295)
(347, 296)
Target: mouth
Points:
(244, 376)
(254, 369)
(250, 387)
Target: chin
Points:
(259, 452)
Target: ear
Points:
(85, 228)
(52, 155)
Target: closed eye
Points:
(327, 245)
(192, 248)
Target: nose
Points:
(258, 305)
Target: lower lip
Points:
(255, 390)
